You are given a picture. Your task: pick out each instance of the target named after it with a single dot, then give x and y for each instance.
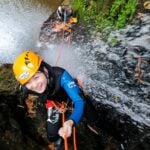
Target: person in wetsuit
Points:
(39, 78)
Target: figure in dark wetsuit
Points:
(53, 83)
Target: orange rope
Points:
(74, 139)
(62, 46)
(63, 113)
(74, 132)
(60, 50)
(65, 138)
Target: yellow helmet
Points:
(26, 65)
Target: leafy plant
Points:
(122, 12)
(101, 14)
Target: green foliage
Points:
(114, 41)
(86, 10)
(101, 14)
(80, 7)
(122, 11)
(1, 78)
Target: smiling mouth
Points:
(39, 87)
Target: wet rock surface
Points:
(11, 132)
(120, 81)
(122, 72)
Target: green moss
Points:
(122, 12)
(114, 41)
(7, 80)
(101, 14)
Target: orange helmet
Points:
(26, 65)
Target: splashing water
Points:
(105, 77)
(94, 66)
(64, 56)
(20, 24)
(19, 30)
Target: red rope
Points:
(63, 114)
(62, 46)
(60, 50)
(74, 139)
(65, 138)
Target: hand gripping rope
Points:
(61, 107)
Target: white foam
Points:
(19, 28)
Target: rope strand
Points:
(65, 138)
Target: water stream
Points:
(20, 23)
(19, 30)
(108, 71)
(114, 82)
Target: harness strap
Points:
(62, 108)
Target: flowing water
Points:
(20, 23)
(108, 71)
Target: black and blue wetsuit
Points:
(74, 93)
(62, 87)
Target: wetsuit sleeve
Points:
(73, 91)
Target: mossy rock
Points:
(8, 83)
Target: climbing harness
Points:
(61, 108)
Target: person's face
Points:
(37, 83)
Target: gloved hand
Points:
(66, 130)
